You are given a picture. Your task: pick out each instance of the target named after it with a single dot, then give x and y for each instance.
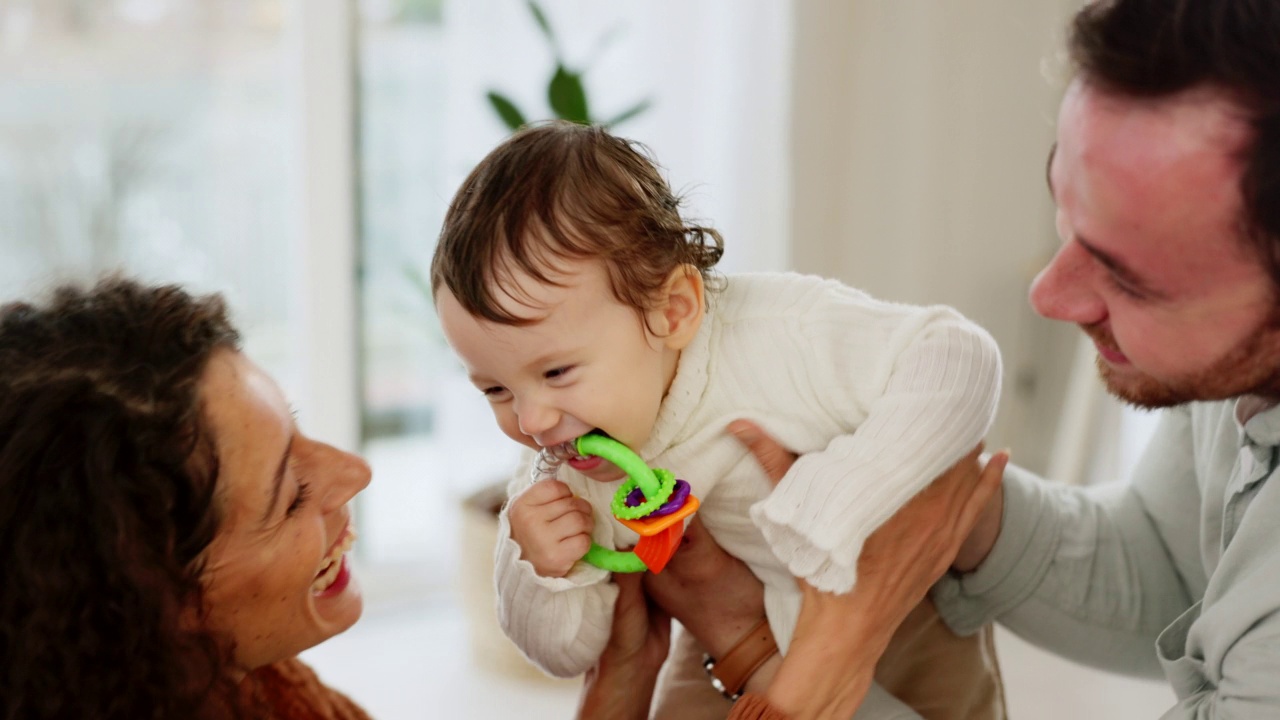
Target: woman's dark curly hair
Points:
(107, 481)
(557, 191)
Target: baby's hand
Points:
(551, 526)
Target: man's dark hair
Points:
(1158, 48)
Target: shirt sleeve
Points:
(918, 387)
(560, 624)
(1089, 573)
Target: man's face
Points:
(1153, 266)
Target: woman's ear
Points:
(682, 303)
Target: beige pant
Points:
(940, 675)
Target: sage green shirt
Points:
(1176, 573)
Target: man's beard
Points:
(1250, 368)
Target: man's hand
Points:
(552, 526)
(620, 686)
(983, 537)
(898, 564)
(714, 595)
(954, 521)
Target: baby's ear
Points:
(682, 302)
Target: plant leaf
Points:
(541, 18)
(507, 111)
(567, 97)
(630, 113)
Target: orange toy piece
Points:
(660, 536)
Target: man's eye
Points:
(1123, 287)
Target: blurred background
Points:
(298, 155)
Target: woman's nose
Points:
(349, 474)
(1065, 289)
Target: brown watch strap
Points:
(735, 668)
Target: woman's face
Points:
(276, 576)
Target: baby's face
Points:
(587, 363)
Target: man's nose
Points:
(1066, 288)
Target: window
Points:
(151, 137)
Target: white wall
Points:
(919, 138)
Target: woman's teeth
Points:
(333, 563)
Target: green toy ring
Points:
(666, 486)
(656, 485)
(618, 561)
(626, 460)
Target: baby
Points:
(579, 300)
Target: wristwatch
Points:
(731, 672)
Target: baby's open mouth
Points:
(568, 451)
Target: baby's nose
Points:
(537, 419)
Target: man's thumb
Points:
(775, 459)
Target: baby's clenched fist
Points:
(552, 526)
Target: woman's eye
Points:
(299, 500)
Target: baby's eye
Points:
(493, 392)
(558, 372)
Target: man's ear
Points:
(682, 303)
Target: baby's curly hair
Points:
(107, 500)
(562, 191)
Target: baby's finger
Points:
(565, 506)
(575, 546)
(571, 524)
(545, 491)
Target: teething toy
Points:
(652, 502)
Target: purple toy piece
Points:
(679, 494)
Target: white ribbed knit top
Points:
(878, 398)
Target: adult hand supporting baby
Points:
(620, 686)
(717, 598)
(899, 563)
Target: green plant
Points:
(566, 93)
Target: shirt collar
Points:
(1259, 419)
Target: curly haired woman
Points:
(170, 540)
